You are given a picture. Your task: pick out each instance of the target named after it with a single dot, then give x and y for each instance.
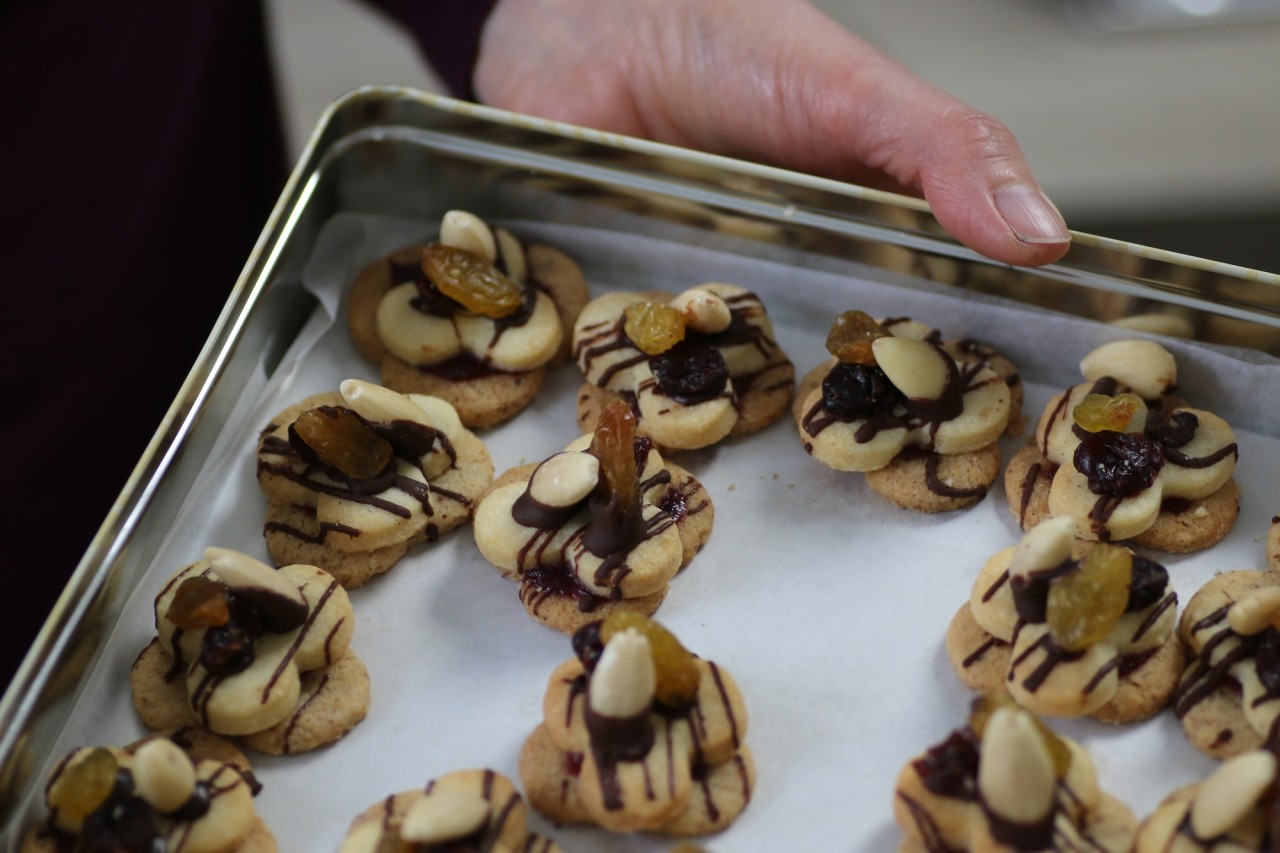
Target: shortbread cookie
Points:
(1233, 809)
(695, 368)
(1273, 544)
(602, 526)
(1126, 460)
(639, 735)
(474, 319)
(1224, 699)
(921, 417)
(353, 479)
(1004, 782)
(243, 649)
(1070, 636)
(190, 792)
(463, 810)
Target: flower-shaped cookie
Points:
(463, 810)
(475, 318)
(1004, 782)
(1236, 808)
(1068, 636)
(1228, 699)
(190, 791)
(639, 735)
(244, 649)
(694, 368)
(602, 526)
(353, 479)
(1125, 460)
(921, 417)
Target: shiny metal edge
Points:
(33, 707)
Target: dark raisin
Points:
(1267, 658)
(1174, 430)
(587, 645)
(126, 824)
(950, 769)
(1146, 584)
(858, 391)
(1118, 464)
(228, 649)
(690, 372)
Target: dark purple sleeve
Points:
(447, 31)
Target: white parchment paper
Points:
(826, 603)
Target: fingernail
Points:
(1030, 215)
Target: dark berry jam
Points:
(1118, 464)
(858, 391)
(950, 769)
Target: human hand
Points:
(773, 81)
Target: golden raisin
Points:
(1085, 604)
(614, 445)
(471, 281)
(1098, 412)
(851, 335)
(342, 439)
(654, 327)
(988, 703)
(676, 673)
(83, 786)
(199, 602)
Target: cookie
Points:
(246, 650)
(1127, 460)
(639, 735)
(189, 791)
(695, 368)
(999, 783)
(602, 526)
(463, 810)
(1273, 544)
(475, 319)
(1228, 627)
(1232, 809)
(1038, 625)
(355, 478)
(921, 417)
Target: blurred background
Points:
(1153, 121)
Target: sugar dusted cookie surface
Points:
(1234, 808)
(1125, 460)
(243, 649)
(602, 526)
(639, 735)
(695, 368)
(464, 810)
(1004, 782)
(1229, 628)
(475, 318)
(1070, 635)
(190, 791)
(921, 417)
(355, 478)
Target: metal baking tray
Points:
(403, 153)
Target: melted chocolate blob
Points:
(429, 299)
(858, 391)
(690, 372)
(1118, 464)
(1173, 430)
(587, 645)
(1267, 659)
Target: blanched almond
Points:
(241, 572)
(1230, 793)
(1256, 612)
(703, 311)
(464, 230)
(564, 479)
(443, 815)
(1044, 546)
(1015, 771)
(163, 775)
(623, 682)
(919, 370)
(1144, 366)
(380, 405)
